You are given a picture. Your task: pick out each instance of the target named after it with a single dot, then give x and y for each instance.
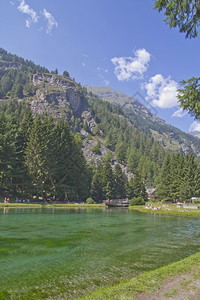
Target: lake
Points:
(58, 252)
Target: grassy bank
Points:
(147, 282)
(59, 205)
(171, 209)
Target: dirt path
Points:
(181, 287)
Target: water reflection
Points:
(5, 210)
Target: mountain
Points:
(170, 137)
(58, 138)
(195, 133)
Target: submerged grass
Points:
(57, 286)
(146, 282)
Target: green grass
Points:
(171, 293)
(173, 210)
(185, 283)
(60, 205)
(146, 282)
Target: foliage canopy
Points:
(184, 14)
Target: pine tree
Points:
(136, 187)
(164, 187)
(37, 156)
(120, 182)
(177, 174)
(97, 184)
(8, 130)
(108, 181)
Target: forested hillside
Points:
(56, 139)
(170, 137)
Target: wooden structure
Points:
(117, 202)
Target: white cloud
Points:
(84, 55)
(131, 67)
(50, 19)
(162, 91)
(12, 3)
(28, 24)
(106, 82)
(83, 64)
(26, 9)
(33, 17)
(195, 126)
(179, 113)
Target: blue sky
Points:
(121, 44)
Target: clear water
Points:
(64, 253)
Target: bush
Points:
(197, 201)
(96, 149)
(90, 201)
(154, 200)
(136, 201)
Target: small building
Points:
(151, 194)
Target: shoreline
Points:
(149, 285)
(40, 205)
(172, 211)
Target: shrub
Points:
(154, 200)
(136, 201)
(90, 201)
(197, 201)
(96, 148)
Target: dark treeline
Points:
(132, 147)
(14, 75)
(39, 157)
(113, 184)
(179, 177)
(44, 158)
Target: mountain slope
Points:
(170, 137)
(42, 153)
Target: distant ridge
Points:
(170, 137)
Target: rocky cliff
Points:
(8, 65)
(56, 95)
(60, 96)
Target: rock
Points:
(57, 95)
(9, 65)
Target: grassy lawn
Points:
(59, 205)
(167, 209)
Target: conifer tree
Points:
(163, 189)
(97, 183)
(108, 181)
(136, 187)
(120, 182)
(177, 171)
(37, 156)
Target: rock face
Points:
(56, 94)
(59, 96)
(8, 65)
